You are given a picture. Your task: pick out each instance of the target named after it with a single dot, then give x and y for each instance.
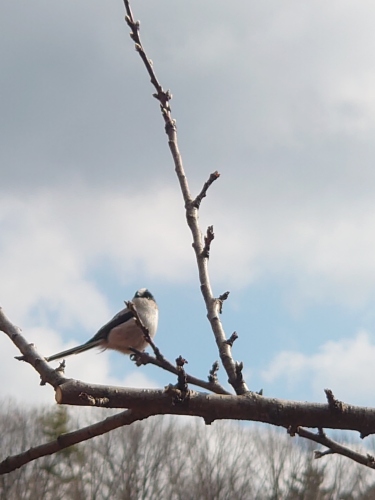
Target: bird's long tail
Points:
(74, 350)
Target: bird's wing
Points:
(120, 318)
(101, 335)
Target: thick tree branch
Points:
(251, 407)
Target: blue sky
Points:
(280, 99)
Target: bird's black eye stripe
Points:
(144, 294)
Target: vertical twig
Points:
(191, 208)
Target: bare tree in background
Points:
(165, 457)
(204, 474)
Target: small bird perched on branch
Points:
(122, 332)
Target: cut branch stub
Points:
(92, 401)
(232, 339)
(334, 404)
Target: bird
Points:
(121, 332)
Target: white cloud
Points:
(39, 265)
(317, 254)
(288, 119)
(50, 243)
(346, 367)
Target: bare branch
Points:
(334, 447)
(30, 354)
(163, 97)
(69, 439)
(250, 407)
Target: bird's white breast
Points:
(128, 334)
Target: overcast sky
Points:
(279, 97)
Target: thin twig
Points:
(334, 447)
(198, 200)
(143, 358)
(144, 329)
